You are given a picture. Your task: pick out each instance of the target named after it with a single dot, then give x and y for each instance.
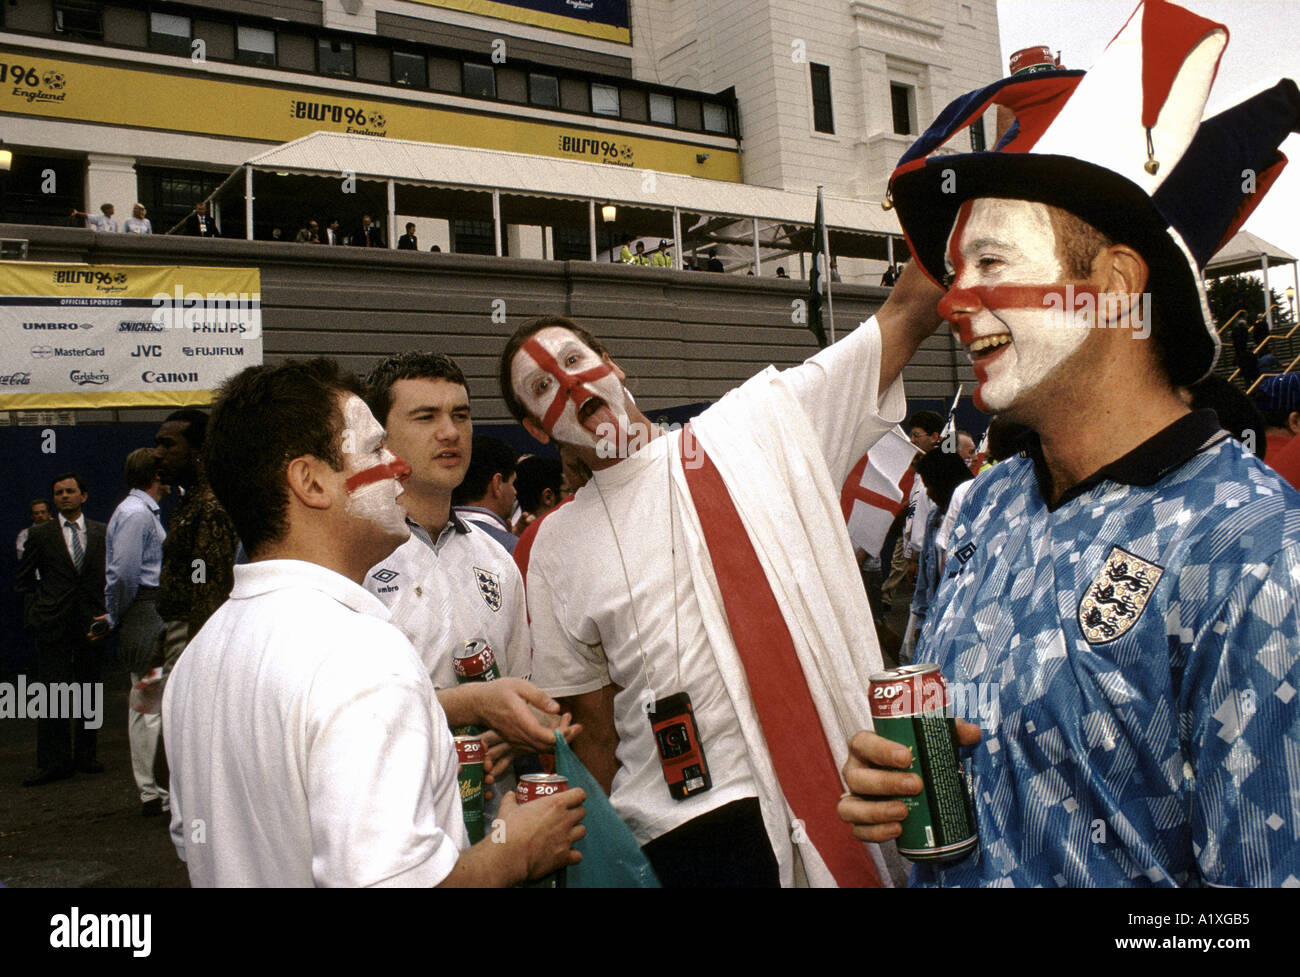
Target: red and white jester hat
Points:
(1123, 147)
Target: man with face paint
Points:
(1126, 588)
(451, 582)
(306, 743)
(637, 597)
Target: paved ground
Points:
(86, 831)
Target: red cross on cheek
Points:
(957, 304)
(397, 468)
(570, 384)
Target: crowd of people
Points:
(1111, 577)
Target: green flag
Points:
(815, 277)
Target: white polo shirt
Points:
(462, 587)
(306, 744)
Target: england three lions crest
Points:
(1117, 596)
(489, 585)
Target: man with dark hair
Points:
(486, 496)
(1127, 590)
(199, 553)
(333, 233)
(63, 569)
(304, 730)
(38, 511)
(134, 551)
(408, 242)
(651, 605)
(450, 582)
(539, 486)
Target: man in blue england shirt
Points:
(1124, 595)
(134, 561)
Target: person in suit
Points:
(332, 233)
(63, 568)
(407, 241)
(370, 236)
(200, 223)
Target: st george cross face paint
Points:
(374, 472)
(1005, 303)
(566, 384)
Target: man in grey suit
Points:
(63, 568)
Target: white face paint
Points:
(363, 450)
(537, 389)
(1008, 243)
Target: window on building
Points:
(480, 80)
(410, 69)
(544, 90)
(663, 108)
(170, 33)
(255, 45)
(571, 243)
(715, 118)
(170, 194)
(475, 237)
(823, 117)
(604, 99)
(902, 100)
(335, 58)
(977, 143)
(79, 18)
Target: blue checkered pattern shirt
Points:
(1136, 652)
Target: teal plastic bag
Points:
(611, 857)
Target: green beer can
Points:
(470, 752)
(909, 705)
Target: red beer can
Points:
(530, 787)
(534, 785)
(1028, 60)
(474, 662)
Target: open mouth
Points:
(587, 408)
(988, 345)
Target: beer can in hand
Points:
(909, 705)
(470, 752)
(474, 661)
(532, 786)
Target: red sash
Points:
(803, 760)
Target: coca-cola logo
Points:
(16, 380)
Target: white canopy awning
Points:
(430, 164)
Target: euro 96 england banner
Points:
(123, 335)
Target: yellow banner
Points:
(540, 18)
(75, 335)
(199, 103)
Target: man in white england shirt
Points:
(309, 748)
(634, 598)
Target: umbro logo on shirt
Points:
(385, 575)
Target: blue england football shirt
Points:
(1135, 655)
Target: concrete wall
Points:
(682, 337)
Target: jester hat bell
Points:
(1123, 147)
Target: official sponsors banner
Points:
(123, 335)
(32, 84)
(605, 19)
